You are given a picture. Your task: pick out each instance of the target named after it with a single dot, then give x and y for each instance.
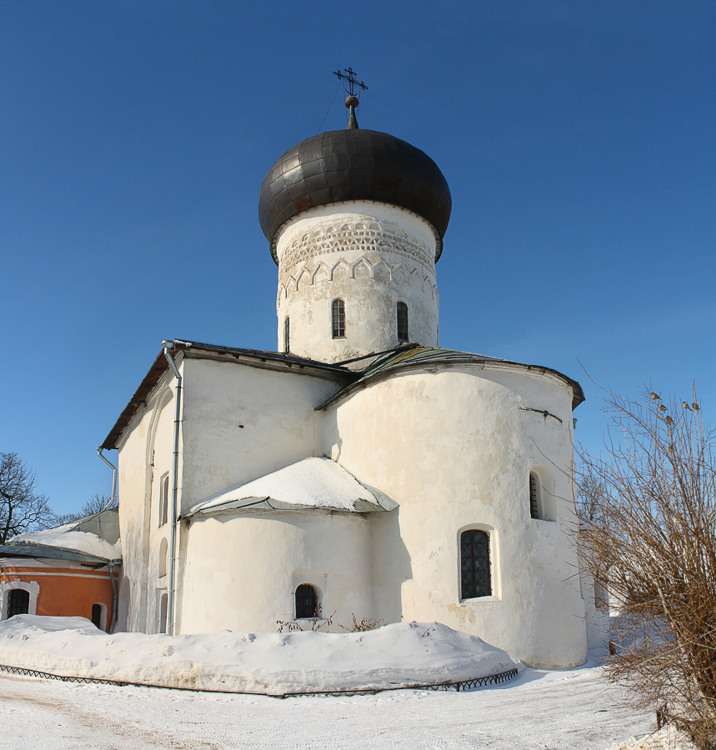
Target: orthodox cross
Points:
(348, 74)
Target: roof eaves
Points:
(422, 356)
(192, 349)
(33, 549)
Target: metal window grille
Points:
(403, 322)
(287, 335)
(306, 601)
(475, 577)
(534, 495)
(338, 318)
(18, 602)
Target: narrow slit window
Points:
(338, 318)
(287, 335)
(97, 612)
(534, 496)
(475, 574)
(164, 500)
(306, 601)
(163, 612)
(403, 322)
(163, 556)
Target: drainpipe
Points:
(114, 479)
(168, 346)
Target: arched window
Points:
(99, 615)
(163, 554)
(306, 601)
(163, 611)
(403, 322)
(338, 318)
(18, 602)
(601, 594)
(475, 575)
(164, 499)
(535, 504)
(287, 335)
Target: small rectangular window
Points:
(475, 574)
(164, 500)
(403, 322)
(338, 318)
(287, 335)
(534, 496)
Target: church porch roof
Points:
(310, 484)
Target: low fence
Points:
(458, 686)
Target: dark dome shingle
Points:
(346, 165)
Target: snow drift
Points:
(393, 656)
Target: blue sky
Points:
(577, 138)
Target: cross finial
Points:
(354, 87)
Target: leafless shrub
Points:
(317, 622)
(361, 626)
(649, 530)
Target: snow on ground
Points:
(401, 654)
(541, 710)
(568, 710)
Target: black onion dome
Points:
(347, 165)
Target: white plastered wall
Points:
(145, 455)
(372, 256)
(238, 423)
(263, 557)
(242, 422)
(454, 447)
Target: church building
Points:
(359, 471)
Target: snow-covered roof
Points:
(313, 483)
(93, 538)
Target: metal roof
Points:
(50, 552)
(411, 356)
(349, 165)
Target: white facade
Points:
(472, 456)
(451, 442)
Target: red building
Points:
(72, 570)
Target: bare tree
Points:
(650, 531)
(22, 507)
(95, 504)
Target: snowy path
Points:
(573, 710)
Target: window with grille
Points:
(164, 500)
(306, 601)
(534, 496)
(338, 318)
(287, 335)
(18, 602)
(475, 575)
(403, 322)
